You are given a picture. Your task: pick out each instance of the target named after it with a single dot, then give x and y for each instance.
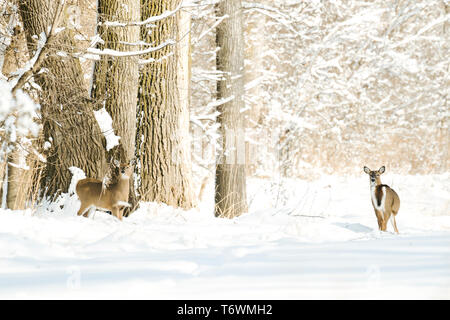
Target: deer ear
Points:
(382, 169)
(116, 163)
(366, 170)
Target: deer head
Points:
(374, 175)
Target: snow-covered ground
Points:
(300, 240)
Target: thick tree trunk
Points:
(230, 195)
(68, 120)
(14, 181)
(183, 56)
(164, 164)
(116, 79)
(14, 55)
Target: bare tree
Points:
(70, 129)
(13, 55)
(116, 78)
(230, 194)
(164, 163)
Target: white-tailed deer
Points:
(385, 200)
(110, 197)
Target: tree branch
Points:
(115, 53)
(35, 63)
(150, 20)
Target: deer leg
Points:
(115, 211)
(394, 224)
(384, 220)
(121, 205)
(383, 225)
(118, 213)
(120, 216)
(89, 211)
(83, 209)
(379, 219)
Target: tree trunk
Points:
(14, 181)
(164, 164)
(230, 197)
(14, 55)
(13, 51)
(183, 56)
(116, 79)
(68, 121)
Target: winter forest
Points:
(217, 149)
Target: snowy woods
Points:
(225, 109)
(324, 86)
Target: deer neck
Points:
(378, 194)
(123, 180)
(121, 183)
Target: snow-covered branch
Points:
(146, 22)
(43, 43)
(426, 28)
(272, 13)
(31, 67)
(213, 27)
(116, 53)
(249, 5)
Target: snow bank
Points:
(301, 239)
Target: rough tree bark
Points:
(13, 55)
(116, 79)
(14, 182)
(68, 121)
(164, 164)
(230, 194)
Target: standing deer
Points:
(109, 197)
(385, 200)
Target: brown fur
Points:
(92, 193)
(391, 202)
(379, 193)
